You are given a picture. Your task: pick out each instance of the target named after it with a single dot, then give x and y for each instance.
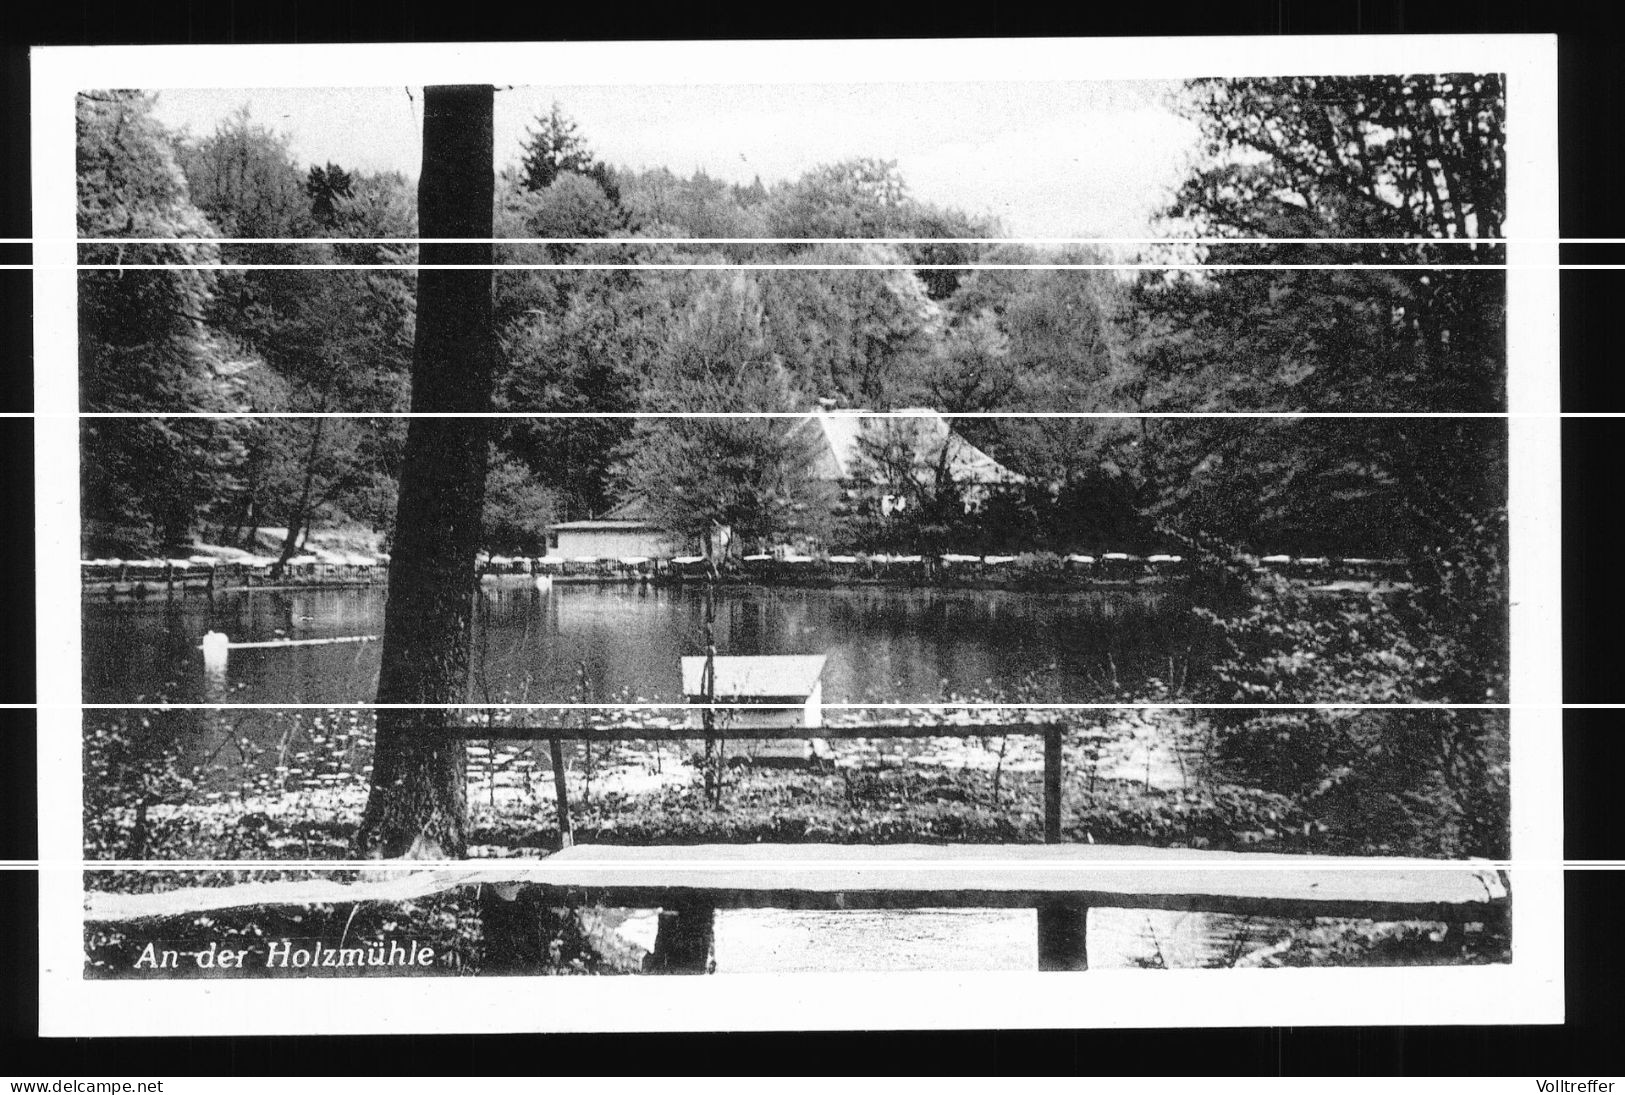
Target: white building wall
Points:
(612, 544)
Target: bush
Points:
(1433, 778)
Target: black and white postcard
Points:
(821, 535)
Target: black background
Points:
(1591, 101)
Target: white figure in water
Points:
(215, 647)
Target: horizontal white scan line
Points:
(1413, 241)
(796, 414)
(1282, 862)
(363, 705)
(1391, 266)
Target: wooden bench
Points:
(689, 883)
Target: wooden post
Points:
(1062, 928)
(684, 941)
(1052, 785)
(510, 931)
(561, 795)
(1063, 937)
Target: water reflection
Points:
(623, 643)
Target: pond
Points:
(622, 643)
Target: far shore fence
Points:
(113, 578)
(169, 577)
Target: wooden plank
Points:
(103, 907)
(277, 644)
(1021, 876)
(894, 876)
(484, 732)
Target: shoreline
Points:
(811, 575)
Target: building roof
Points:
(790, 677)
(606, 525)
(850, 440)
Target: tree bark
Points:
(301, 509)
(418, 802)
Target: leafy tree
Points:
(853, 199)
(573, 206)
(752, 475)
(1059, 326)
(244, 178)
(973, 371)
(144, 344)
(930, 222)
(1412, 159)
(334, 339)
(518, 509)
(863, 337)
(747, 475)
(593, 358)
(1403, 157)
(659, 203)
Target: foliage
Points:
(660, 203)
(854, 199)
(752, 475)
(554, 149)
(862, 337)
(1401, 156)
(144, 342)
(1414, 158)
(328, 339)
(1439, 775)
(1363, 943)
(518, 509)
(130, 766)
(324, 186)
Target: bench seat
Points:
(868, 876)
(689, 883)
(880, 876)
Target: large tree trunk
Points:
(418, 804)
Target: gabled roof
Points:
(849, 437)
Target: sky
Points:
(1047, 158)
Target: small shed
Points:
(608, 539)
(763, 691)
(624, 532)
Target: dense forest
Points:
(1300, 160)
